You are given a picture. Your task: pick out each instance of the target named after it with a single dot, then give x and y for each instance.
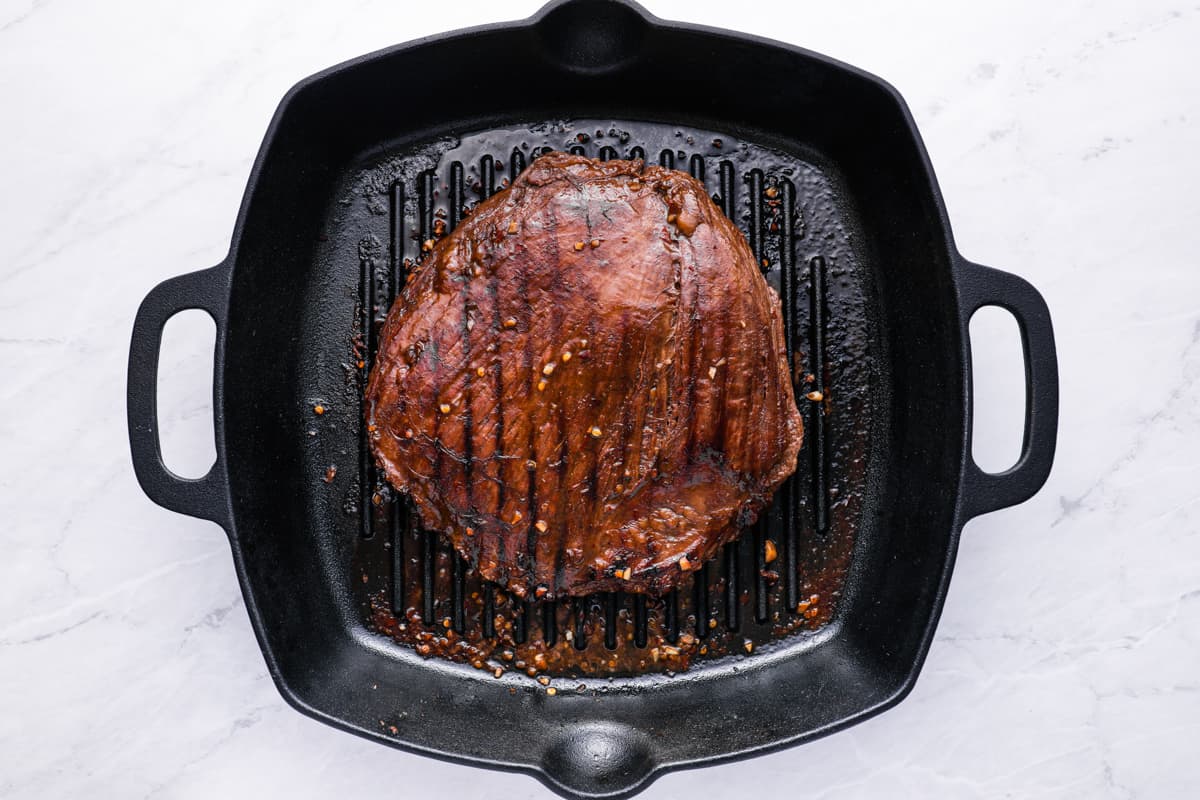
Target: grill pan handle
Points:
(206, 497)
(984, 491)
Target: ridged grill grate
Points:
(401, 520)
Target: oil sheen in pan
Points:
(787, 571)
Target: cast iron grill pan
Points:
(318, 250)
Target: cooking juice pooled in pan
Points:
(585, 386)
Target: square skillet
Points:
(288, 299)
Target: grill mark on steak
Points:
(549, 571)
(531, 506)
(593, 478)
(623, 445)
(498, 459)
(466, 369)
(693, 350)
(435, 465)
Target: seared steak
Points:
(584, 385)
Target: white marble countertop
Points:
(1067, 140)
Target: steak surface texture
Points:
(585, 385)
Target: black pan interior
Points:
(292, 312)
(799, 223)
